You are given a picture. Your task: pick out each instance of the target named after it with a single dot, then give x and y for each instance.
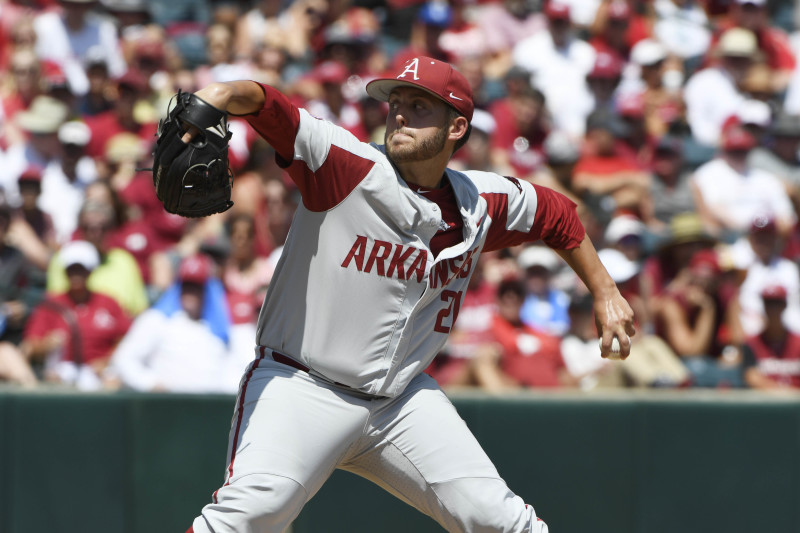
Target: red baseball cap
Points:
(736, 137)
(774, 292)
(705, 261)
(195, 269)
(436, 77)
(555, 9)
(330, 72)
(606, 66)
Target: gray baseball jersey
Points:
(358, 296)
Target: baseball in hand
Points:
(615, 348)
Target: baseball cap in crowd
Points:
(668, 145)
(705, 261)
(556, 9)
(560, 148)
(538, 256)
(619, 10)
(763, 224)
(774, 292)
(45, 115)
(623, 226)
(195, 269)
(736, 138)
(737, 42)
(606, 66)
(79, 253)
(74, 132)
(755, 112)
(648, 52)
(436, 13)
(483, 121)
(31, 174)
(619, 267)
(436, 77)
(330, 72)
(132, 79)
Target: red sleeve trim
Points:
(556, 222)
(277, 122)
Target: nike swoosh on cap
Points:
(454, 97)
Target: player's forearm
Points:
(236, 97)
(584, 261)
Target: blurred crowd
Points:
(674, 125)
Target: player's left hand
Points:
(614, 318)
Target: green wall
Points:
(621, 462)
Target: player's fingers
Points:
(191, 131)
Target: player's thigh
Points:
(426, 455)
(288, 424)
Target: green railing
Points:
(618, 462)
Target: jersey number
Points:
(453, 301)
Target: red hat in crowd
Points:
(32, 173)
(619, 10)
(555, 9)
(735, 137)
(763, 224)
(330, 72)
(606, 66)
(705, 261)
(774, 292)
(436, 77)
(195, 269)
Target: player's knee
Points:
(485, 505)
(263, 502)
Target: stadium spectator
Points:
(713, 93)
(772, 357)
(222, 64)
(117, 274)
(603, 80)
(74, 33)
(74, 332)
(21, 287)
(518, 356)
(330, 103)
(610, 33)
(40, 124)
(522, 127)
(729, 194)
(779, 154)
(559, 62)
(698, 317)
(170, 347)
(506, 23)
(682, 26)
(607, 167)
(31, 228)
(124, 117)
(773, 43)
(652, 362)
(758, 256)
(64, 181)
(544, 307)
(433, 18)
(670, 191)
(653, 79)
(581, 351)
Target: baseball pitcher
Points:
(368, 287)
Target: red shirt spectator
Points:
(530, 357)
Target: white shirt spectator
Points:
(740, 197)
(502, 30)
(683, 30)
(175, 353)
(69, 49)
(780, 271)
(560, 73)
(711, 97)
(582, 358)
(62, 199)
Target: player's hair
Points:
(452, 114)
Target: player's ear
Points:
(458, 128)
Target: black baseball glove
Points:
(193, 180)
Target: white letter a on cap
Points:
(411, 68)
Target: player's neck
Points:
(427, 174)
